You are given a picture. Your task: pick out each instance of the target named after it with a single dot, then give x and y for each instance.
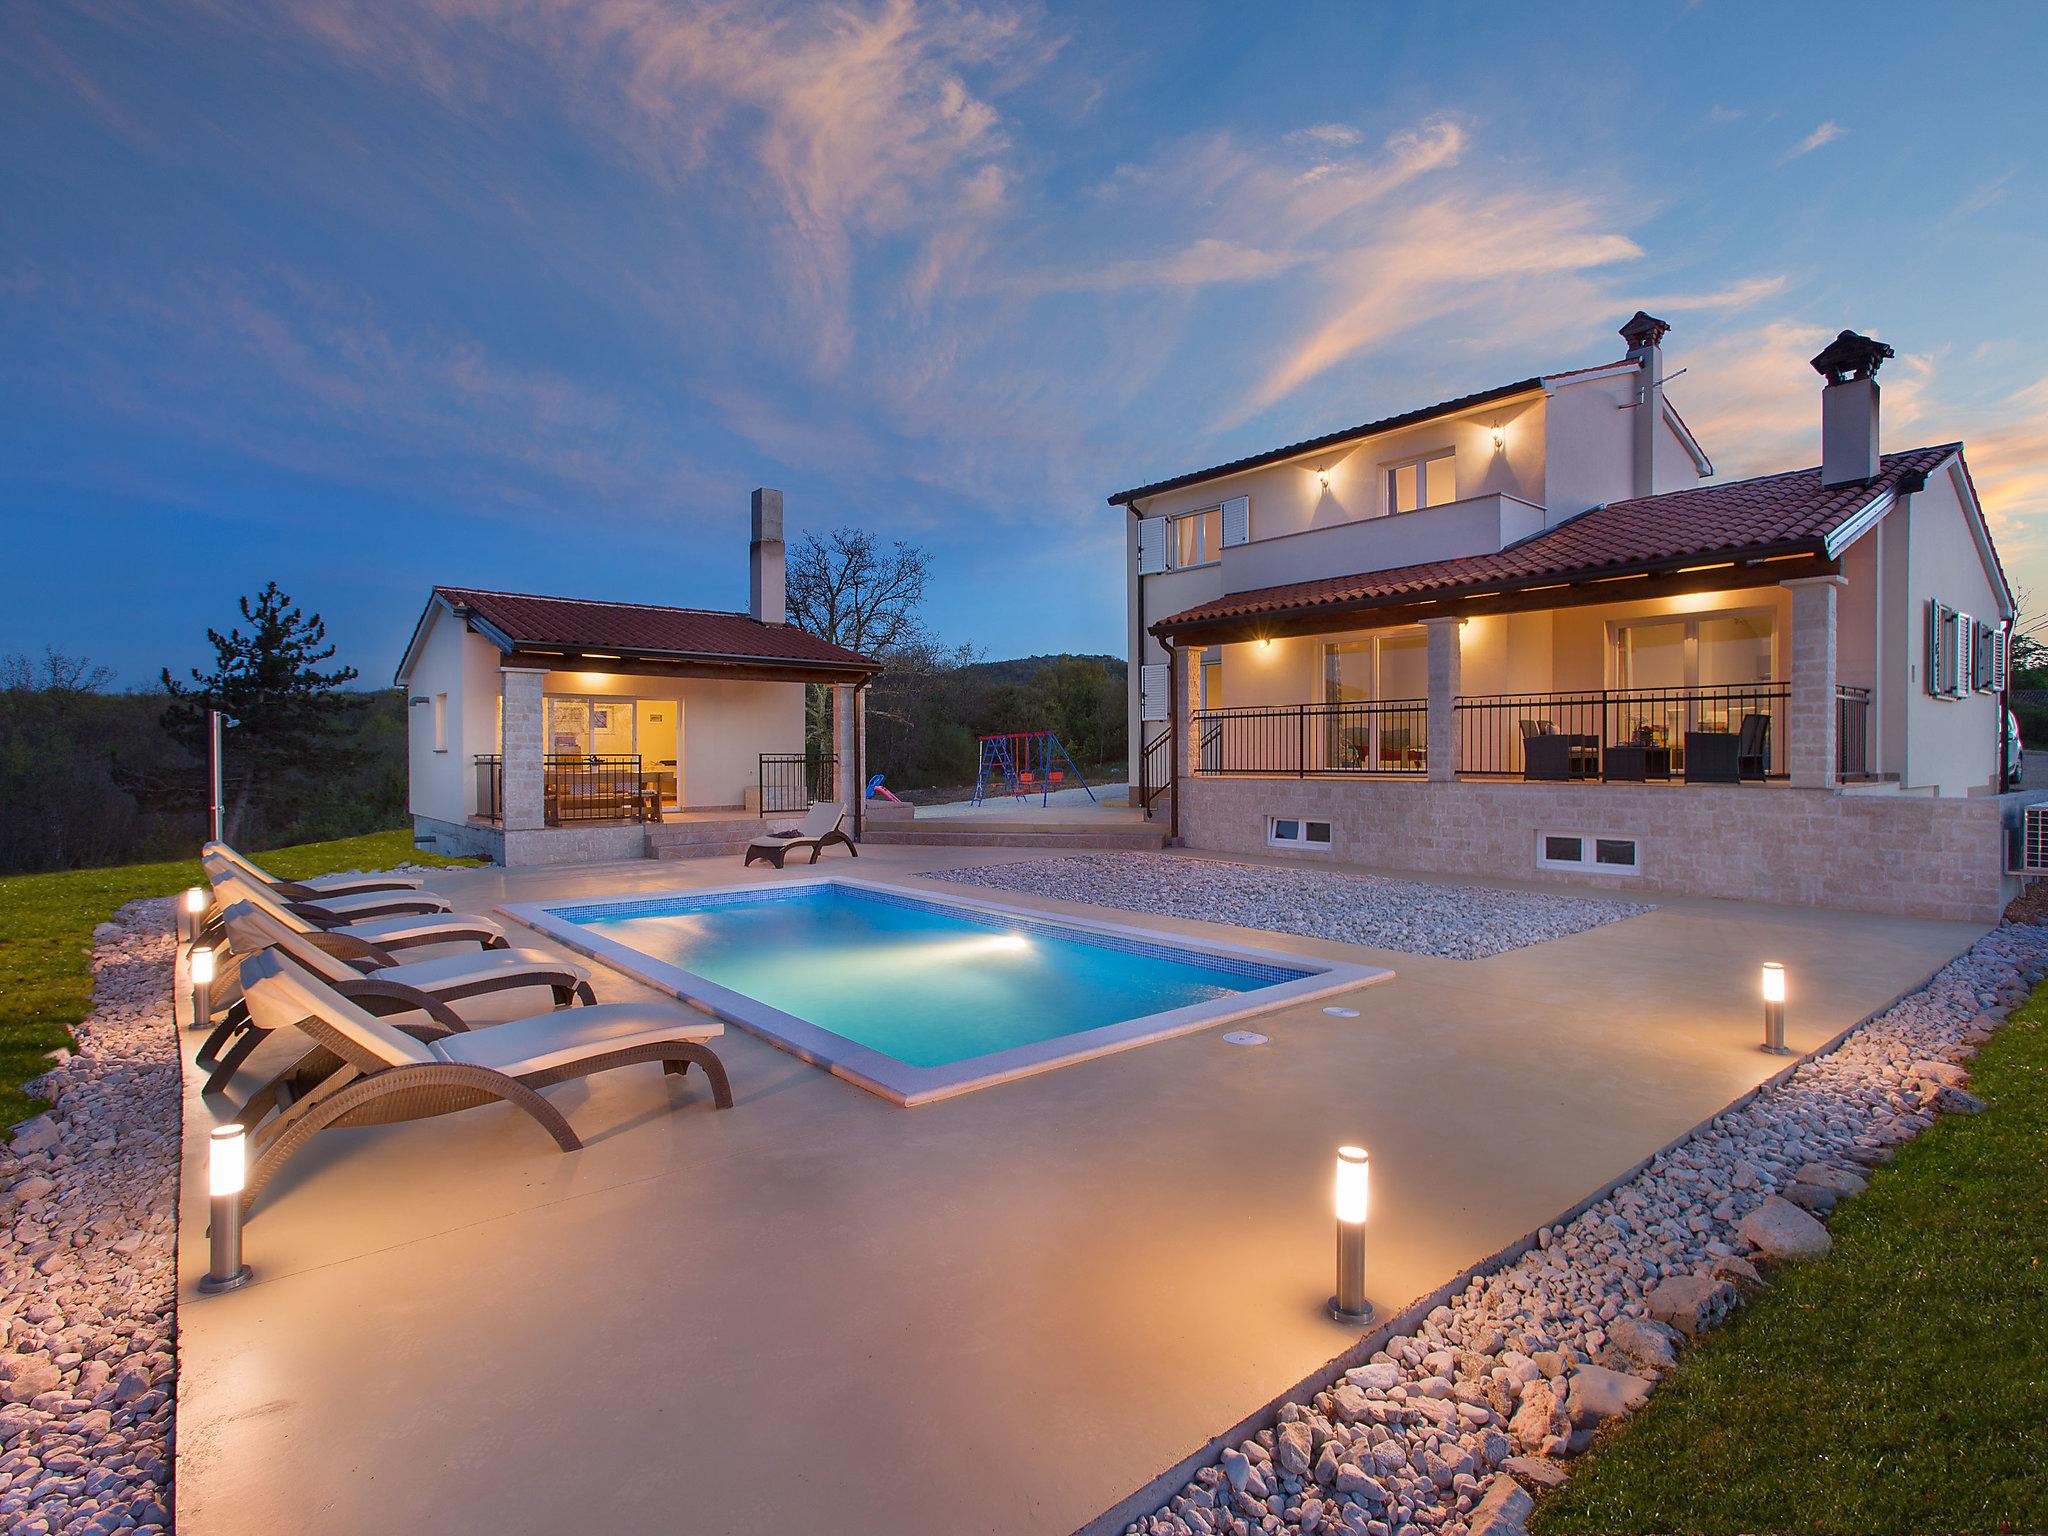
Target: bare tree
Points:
(848, 589)
(54, 673)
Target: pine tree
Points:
(288, 720)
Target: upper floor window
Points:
(1426, 482)
(1198, 538)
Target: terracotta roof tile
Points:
(576, 624)
(1775, 513)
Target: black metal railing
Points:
(1852, 733)
(1389, 736)
(794, 781)
(1568, 734)
(1155, 768)
(593, 787)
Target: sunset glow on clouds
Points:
(535, 290)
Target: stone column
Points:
(1184, 698)
(1811, 723)
(1445, 679)
(844, 790)
(522, 748)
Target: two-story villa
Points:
(1516, 634)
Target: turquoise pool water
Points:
(925, 982)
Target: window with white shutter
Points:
(1151, 546)
(1237, 521)
(1155, 681)
(1937, 647)
(2000, 648)
(1959, 668)
(1984, 663)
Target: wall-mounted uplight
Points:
(1500, 439)
(1774, 1009)
(199, 968)
(1354, 1179)
(1265, 642)
(227, 1170)
(191, 913)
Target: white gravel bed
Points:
(1450, 922)
(1442, 1429)
(88, 1260)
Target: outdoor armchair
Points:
(377, 1073)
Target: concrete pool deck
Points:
(1001, 1312)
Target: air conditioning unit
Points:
(2027, 852)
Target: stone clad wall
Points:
(1897, 854)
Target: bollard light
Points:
(191, 912)
(227, 1169)
(1354, 1179)
(1774, 1009)
(199, 966)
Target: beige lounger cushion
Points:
(820, 819)
(521, 1047)
(383, 930)
(251, 929)
(255, 871)
(287, 993)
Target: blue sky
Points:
(365, 294)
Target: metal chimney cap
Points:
(1850, 356)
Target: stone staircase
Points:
(722, 837)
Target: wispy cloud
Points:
(1826, 133)
(1334, 135)
(1738, 295)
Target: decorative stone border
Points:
(1494, 1379)
(88, 1259)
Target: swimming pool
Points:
(918, 998)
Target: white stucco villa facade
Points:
(1522, 633)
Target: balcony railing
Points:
(1720, 734)
(576, 788)
(1389, 736)
(791, 782)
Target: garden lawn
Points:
(1896, 1385)
(46, 924)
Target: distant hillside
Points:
(1021, 670)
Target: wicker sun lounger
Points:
(378, 1073)
(344, 908)
(319, 888)
(819, 830)
(380, 981)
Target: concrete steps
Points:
(1141, 836)
(706, 839)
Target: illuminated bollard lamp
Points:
(192, 914)
(226, 1172)
(1774, 1009)
(1354, 1174)
(199, 967)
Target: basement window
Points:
(1295, 832)
(1583, 853)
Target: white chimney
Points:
(1645, 335)
(765, 599)
(1848, 408)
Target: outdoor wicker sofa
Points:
(373, 1072)
(382, 982)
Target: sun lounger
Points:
(319, 888)
(330, 910)
(405, 930)
(819, 830)
(380, 981)
(386, 1072)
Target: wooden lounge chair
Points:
(819, 830)
(383, 983)
(319, 888)
(345, 907)
(374, 1072)
(404, 930)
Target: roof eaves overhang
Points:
(1450, 596)
(1316, 445)
(409, 658)
(571, 653)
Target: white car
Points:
(2014, 756)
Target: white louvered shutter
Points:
(1937, 652)
(1959, 676)
(1151, 546)
(1155, 679)
(1237, 521)
(2000, 646)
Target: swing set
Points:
(1023, 763)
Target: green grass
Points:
(46, 924)
(1896, 1385)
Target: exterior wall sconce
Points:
(1500, 439)
(1265, 642)
(1354, 1177)
(199, 966)
(191, 909)
(1774, 1009)
(227, 1167)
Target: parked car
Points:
(2014, 756)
